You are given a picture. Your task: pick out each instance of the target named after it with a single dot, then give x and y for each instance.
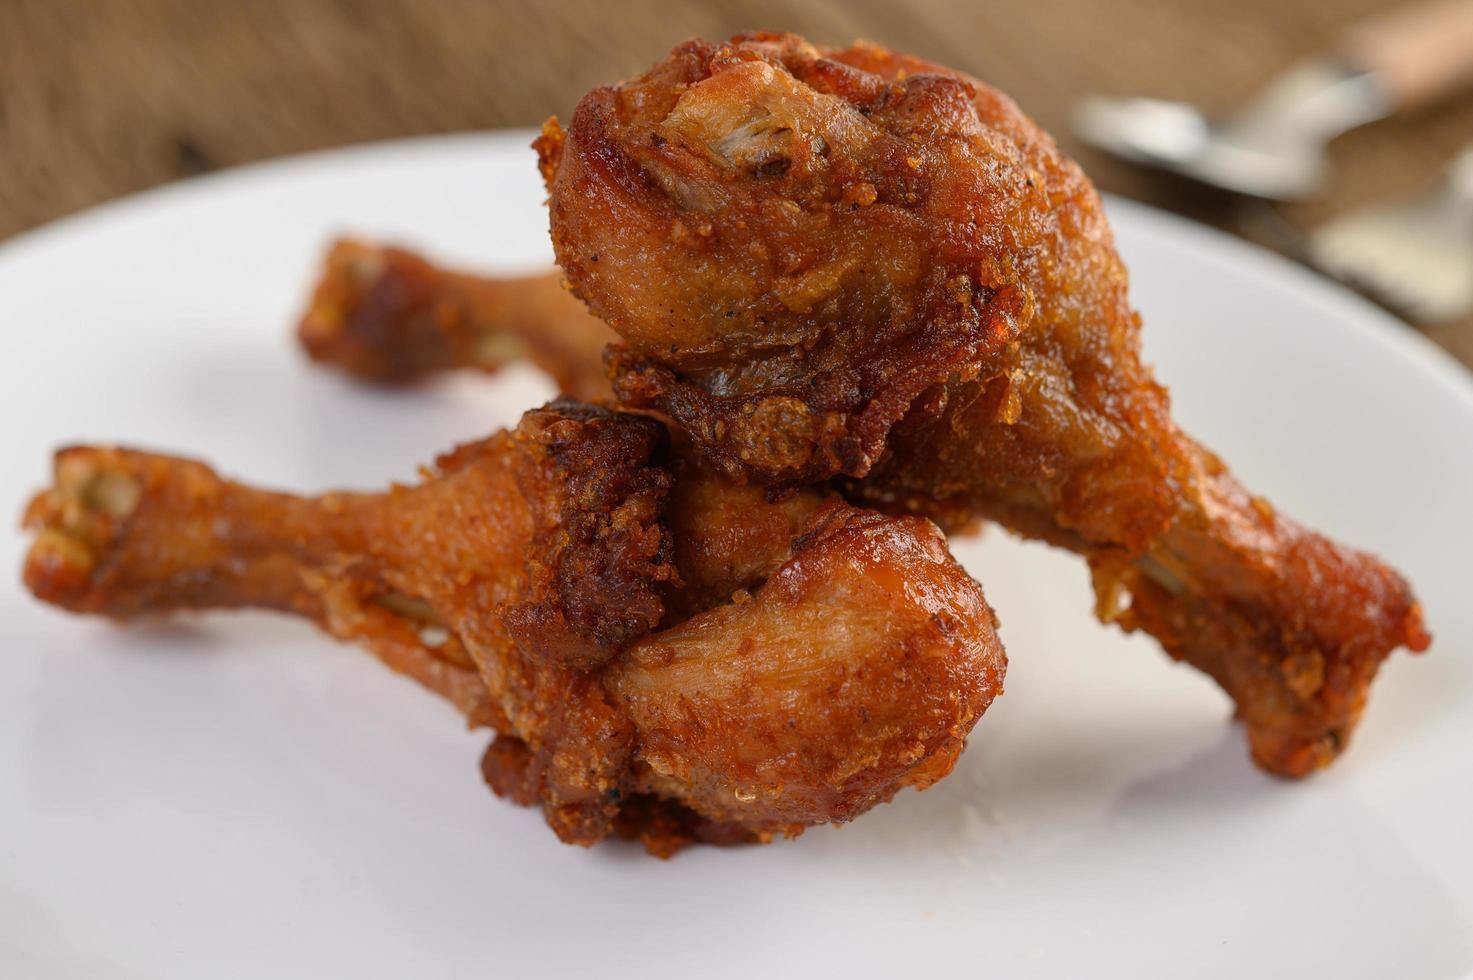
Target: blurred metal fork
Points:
(1416, 256)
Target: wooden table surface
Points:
(99, 99)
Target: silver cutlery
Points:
(1275, 147)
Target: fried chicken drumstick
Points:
(385, 314)
(856, 263)
(665, 654)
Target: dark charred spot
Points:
(776, 167)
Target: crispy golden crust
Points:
(1291, 624)
(856, 669)
(386, 314)
(808, 700)
(492, 540)
(730, 537)
(855, 263)
(799, 322)
(788, 664)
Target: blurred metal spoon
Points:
(1275, 147)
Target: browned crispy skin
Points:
(664, 654)
(855, 669)
(539, 551)
(861, 264)
(386, 314)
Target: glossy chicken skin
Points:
(661, 660)
(386, 314)
(858, 264)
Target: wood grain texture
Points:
(100, 98)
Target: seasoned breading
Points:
(665, 654)
(857, 264)
(385, 314)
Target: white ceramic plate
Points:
(235, 796)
